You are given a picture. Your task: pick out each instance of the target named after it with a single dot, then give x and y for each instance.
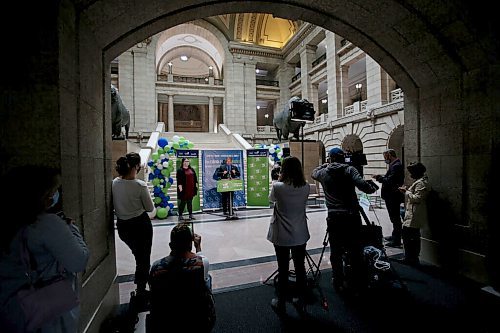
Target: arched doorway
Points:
(71, 79)
(396, 142)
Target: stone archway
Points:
(352, 143)
(396, 142)
(64, 74)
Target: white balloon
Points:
(271, 150)
(280, 154)
(175, 138)
(159, 166)
(165, 164)
(162, 156)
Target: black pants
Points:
(344, 237)
(225, 199)
(411, 243)
(395, 217)
(182, 205)
(137, 233)
(283, 258)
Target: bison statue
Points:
(120, 117)
(284, 124)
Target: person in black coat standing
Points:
(391, 181)
(227, 170)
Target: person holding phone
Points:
(181, 281)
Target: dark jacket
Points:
(393, 179)
(224, 167)
(181, 180)
(339, 181)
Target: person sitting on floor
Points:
(181, 285)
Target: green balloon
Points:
(161, 213)
(176, 146)
(164, 190)
(167, 185)
(155, 182)
(181, 138)
(170, 163)
(190, 145)
(165, 172)
(161, 151)
(157, 200)
(155, 156)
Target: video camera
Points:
(302, 110)
(357, 160)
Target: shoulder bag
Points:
(44, 302)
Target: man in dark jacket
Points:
(392, 180)
(344, 222)
(227, 170)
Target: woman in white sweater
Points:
(132, 201)
(288, 230)
(415, 212)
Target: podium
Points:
(230, 185)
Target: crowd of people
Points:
(57, 249)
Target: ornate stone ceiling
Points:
(256, 28)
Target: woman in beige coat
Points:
(416, 212)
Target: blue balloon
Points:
(167, 197)
(157, 172)
(151, 177)
(170, 180)
(171, 205)
(150, 163)
(162, 142)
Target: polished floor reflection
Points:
(238, 251)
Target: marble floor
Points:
(239, 254)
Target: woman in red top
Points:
(186, 188)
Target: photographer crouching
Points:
(344, 221)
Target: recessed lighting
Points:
(184, 58)
(257, 71)
(258, 107)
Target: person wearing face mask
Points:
(415, 213)
(391, 181)
(132, 201)
(56, 247)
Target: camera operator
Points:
(344, 222)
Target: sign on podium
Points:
(229, 185)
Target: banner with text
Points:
(258, 177)
(194, 161)
(211, 161)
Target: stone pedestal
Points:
(119, 149)
(314, 153)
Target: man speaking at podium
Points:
(227, 171)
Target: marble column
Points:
(334, 75)
(171, 127)
(210, 114)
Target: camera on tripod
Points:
(302, 110)
(356, 159)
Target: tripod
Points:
(313, 272)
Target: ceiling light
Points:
(324, 101)
(258, 107)
(266, 115)
(184, 58)
(257, 71)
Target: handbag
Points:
(370, 234)
(42, 303)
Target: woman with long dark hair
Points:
(186, 188)
(132, 201)
(288, 230)
(55, 247)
